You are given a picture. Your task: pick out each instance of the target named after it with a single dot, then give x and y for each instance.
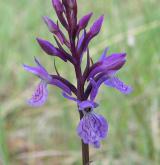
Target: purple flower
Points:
(92, 127)
(71, 48)
(108, 65)
(40, 95)
(112, 80)
(104, 71)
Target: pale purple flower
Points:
(92, 127)
(40, 94)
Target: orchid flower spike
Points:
(71, 47)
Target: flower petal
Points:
(39, 71)
(92, 129)
(40, 95)
(114, 82)
(40, 65)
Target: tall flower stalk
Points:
(92, 127)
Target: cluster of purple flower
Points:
(92, 127)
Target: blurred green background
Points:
(46, 135)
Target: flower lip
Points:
(92, 129)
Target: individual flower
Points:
(112, 80)
(104, 71)
(40, 94)
(93, 127)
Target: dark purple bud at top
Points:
(83, 22)
(59, 8)
(71, 15)
(96, 27)
(72, 4)
(57, 5)
(50, 49)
